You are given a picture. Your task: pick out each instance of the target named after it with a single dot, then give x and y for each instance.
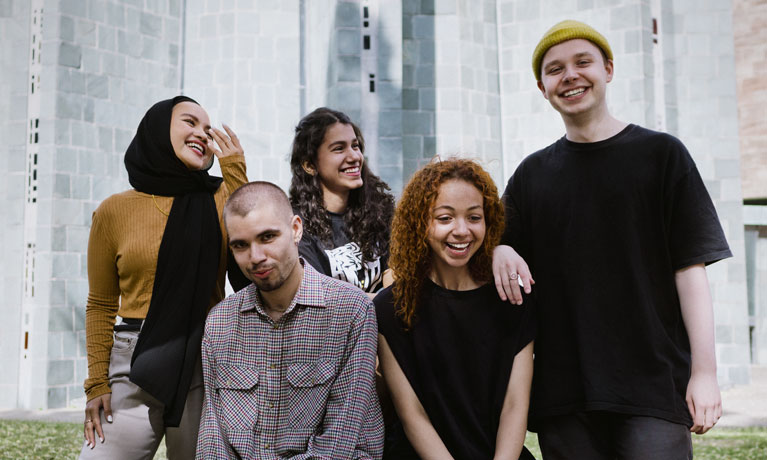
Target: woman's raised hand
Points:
(227, 142)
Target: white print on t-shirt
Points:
(346, 264)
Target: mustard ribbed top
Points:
(125, 237)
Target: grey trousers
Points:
(137, 427)
(610, 436)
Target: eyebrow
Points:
(447, 206)
(343, 142)
(185, 114)
(577, 56)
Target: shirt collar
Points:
(310, 292)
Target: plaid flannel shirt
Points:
(302, 387)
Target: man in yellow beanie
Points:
(617, 226)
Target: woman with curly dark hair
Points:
(346, 209)
(457, 359)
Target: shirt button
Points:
(271, 405)
(228, 383)
(267, 446)
(276, 326)
(273, 366)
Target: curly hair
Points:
(411, 256)
(369, 209)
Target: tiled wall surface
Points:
(450, 77)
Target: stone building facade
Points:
(422, 77)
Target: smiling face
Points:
(457, 227)
(189, 125)
(265, 245)
(339, 160)
(574, 77)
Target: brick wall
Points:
(750, 35)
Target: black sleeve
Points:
(310, 250)
(694, 233)
(233, 272)
(529, 322)
(513, 234)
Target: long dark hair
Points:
(369, 209)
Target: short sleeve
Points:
(528, 322)
(513, 234)
(309, 249)
(694, 233)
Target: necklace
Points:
(158, 207)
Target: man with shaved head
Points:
(289, 361)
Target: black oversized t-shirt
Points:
(457, 357)
(343, 260)
(604, 226)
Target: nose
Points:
(256, 254)
(200, 133)
(570, 74)
(353, 154)
(461, 228)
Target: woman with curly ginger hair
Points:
(457, 360)
(346, 209)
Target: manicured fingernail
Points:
(109, 418)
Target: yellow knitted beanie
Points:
(563, 31)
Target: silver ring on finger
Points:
(513, 276)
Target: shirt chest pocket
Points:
(236, 387)
(310, 384)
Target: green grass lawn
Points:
(48, 440)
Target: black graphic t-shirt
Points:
(343, 260)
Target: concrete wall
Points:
(704, 58)
(14, 60)
(241, 62)
(103, 63)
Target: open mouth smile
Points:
(353, 171)
(200, 149)
(574, 92)
(458, 249)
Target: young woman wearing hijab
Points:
(346, 209)
(157, 258)
(458, 361)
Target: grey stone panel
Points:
(66, 28)
(349, 42)
(69, 55)
(410, 99)
(348, 69)
(85, 31)
(347, 14)
(57, 397)
(412, 147)
(60, 319)
(390, 123)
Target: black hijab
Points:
(168, 346)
